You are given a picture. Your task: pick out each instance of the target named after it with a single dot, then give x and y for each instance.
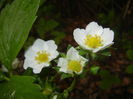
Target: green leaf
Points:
(106, 53)
(130, 54)
(62, 54)
(20, 87)
(129, 69)
(83, 52)
(94, 69)
(69, 46)
(48, 89)
(65, 75)
(16, 21)
(56, 68)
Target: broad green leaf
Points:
(20, 87)
(94, 69)
(16, 21)
(129, 69)
(130, 54)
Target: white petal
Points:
(72, 54)
(30, 53)
(36, 71)
(107, 36)
(62, 63)
(4, 69)
(53, 55)
(83, 60)
(52, 49)
(51, 44)
(79, 36)
(103, 47)
(93, 28)
(38, 67)
(79, 72)
(55, 97)
(29, 63)
(40, 44)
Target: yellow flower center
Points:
(93, 41)
(74, 66)
(42, 56)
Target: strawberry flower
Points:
(40, 54)
(72, 63)
(94, 37)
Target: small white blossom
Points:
(40, 54)
(15, 63)
(55, 97)
(4, 69)
(72, 63)
(94, 37)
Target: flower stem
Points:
(71, 87)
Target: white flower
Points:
(72, 63)
(94, 37)
(55, 97)
(40, 54)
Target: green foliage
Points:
(130, 54)
(58, 36)
(94, 69)
(83, 52)
(129, 69)
(107, 18)
(48, 89)
(49, 26)
(45, 26)
(20, 87)
(62, 55)
(15, 23)
(2, 76)
(108, 80)
(105, 53)
(64, 75)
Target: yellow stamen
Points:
(74, 66)
(42, 56)
(93, 41)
